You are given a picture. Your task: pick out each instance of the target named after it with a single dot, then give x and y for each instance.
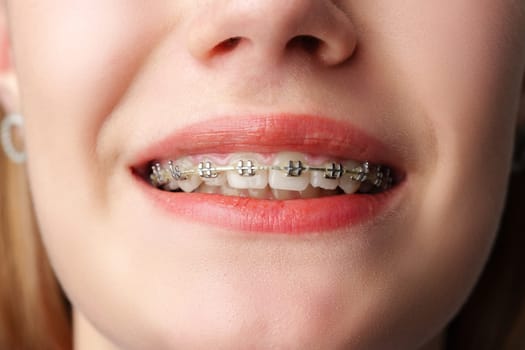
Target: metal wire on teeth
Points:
(376, 175)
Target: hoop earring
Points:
(10, 121)
(518, 162)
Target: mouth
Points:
(273, 174)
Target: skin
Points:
(99, 80)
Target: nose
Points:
(272, 29)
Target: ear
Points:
(9, 95)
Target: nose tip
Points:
(273, 28)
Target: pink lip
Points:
(269, 134)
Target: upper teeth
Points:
(289, 171)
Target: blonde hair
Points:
(33, 312)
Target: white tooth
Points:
(192, 180)
(191, 184)
(208, 189)
(215, 181)
(257, 181)
(285, 195)
(228, 191)
(345, 182)
(279, 179)
(263, 193)
(171, 186)
(318, 179)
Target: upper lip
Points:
(309, 134)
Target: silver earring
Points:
(10, 121)
(518, 162)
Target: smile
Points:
(233, 173)
(290, 175)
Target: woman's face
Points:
(430, 90)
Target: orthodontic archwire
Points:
(376, 175)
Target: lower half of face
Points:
(199, 172)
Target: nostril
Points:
(308, 43)
(227, 45)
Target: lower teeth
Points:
(269, 193)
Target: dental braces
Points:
(376, 175)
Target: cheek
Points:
(75, 61)
(459, 67)
(461, 73)
(465, 76)
(465, 79)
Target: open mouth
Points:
(253, 174)
(282, 176)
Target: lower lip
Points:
(292, 217)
